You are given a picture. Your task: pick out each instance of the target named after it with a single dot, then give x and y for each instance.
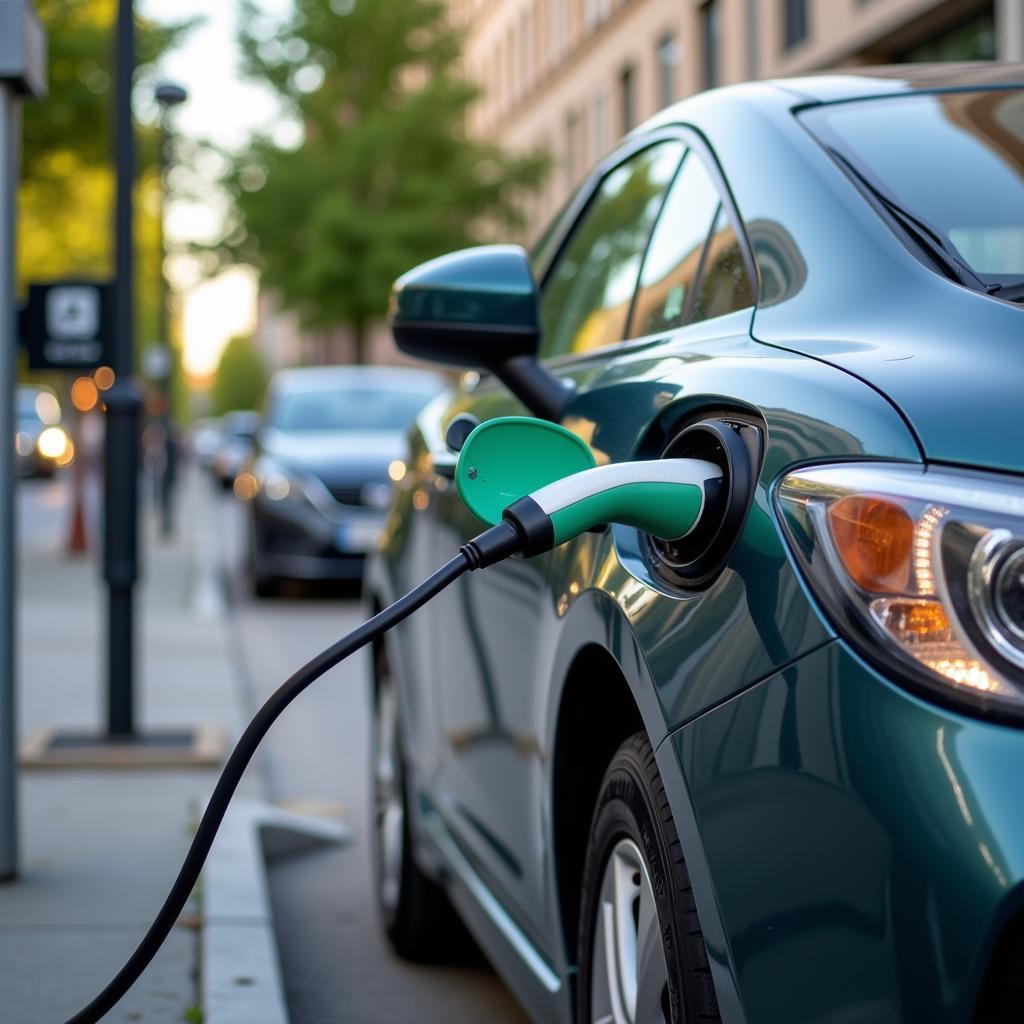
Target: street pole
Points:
(22, 73)
(9, 133)
(168, 96)
(123, 401)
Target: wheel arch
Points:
(601, 693)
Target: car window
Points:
(356, 409)
(673, 259)
(724, 284)
(588, 292)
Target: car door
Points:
(483, 631)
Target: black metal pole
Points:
(9, 140)
(123, 403)
(166, 382)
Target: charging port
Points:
(736, 446)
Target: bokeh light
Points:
(84, 394)
(53, 443)
(104, 378)
(245, 486)
(48, 408)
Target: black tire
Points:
(416, 915)
(265, 586)
(260, 583)
(632, 808)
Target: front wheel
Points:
(418, 919)
(641, 951)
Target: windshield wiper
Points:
(1012, 291)
(938, 247)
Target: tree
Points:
(387, 175)
(240, 378)
(67, 190)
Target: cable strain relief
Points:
(534, 526)
(492, 546)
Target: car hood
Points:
(334, 456)
(952, 362)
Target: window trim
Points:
(695, 141)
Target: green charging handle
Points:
(507, 458)
(514, 458)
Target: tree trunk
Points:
(359, 342)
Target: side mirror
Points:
(478, 308)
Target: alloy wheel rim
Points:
(388, 798)
(628, 970)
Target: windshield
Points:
(347, 409)
(955, 161)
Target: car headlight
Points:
(52, 443)
(279, 483)
(922, 570)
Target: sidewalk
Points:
(100, 848)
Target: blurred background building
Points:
(572, 76)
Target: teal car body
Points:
(855, 841)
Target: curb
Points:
(241, 975)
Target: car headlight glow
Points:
(276, 486)
(921, 569)
(52, 443)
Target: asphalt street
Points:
(337, 966)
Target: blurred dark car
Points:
(332, 441)
(238, 431)
(40, 442)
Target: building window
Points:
(510, 67)
(599, 127)
(974, 39)
(668, 64)
(561, 27)
(794, 22)
(573, 147)
(525, 53)
(627, 99)
(596, 12)
(753, 38)
(710, 37)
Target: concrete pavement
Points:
(100, 848)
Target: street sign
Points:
(67, 325)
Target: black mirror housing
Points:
(478, 308)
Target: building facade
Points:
(572, 76)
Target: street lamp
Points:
(168, 95)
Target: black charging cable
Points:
(491, 546)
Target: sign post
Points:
(22, 75)
(124, 403)
(67, 325)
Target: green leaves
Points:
(386, 176)
(241, 378)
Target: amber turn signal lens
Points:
(875, 540)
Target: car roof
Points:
(320, 378)
(850, 84)
(896, 79)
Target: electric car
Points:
(323, 462)
(769, 771)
